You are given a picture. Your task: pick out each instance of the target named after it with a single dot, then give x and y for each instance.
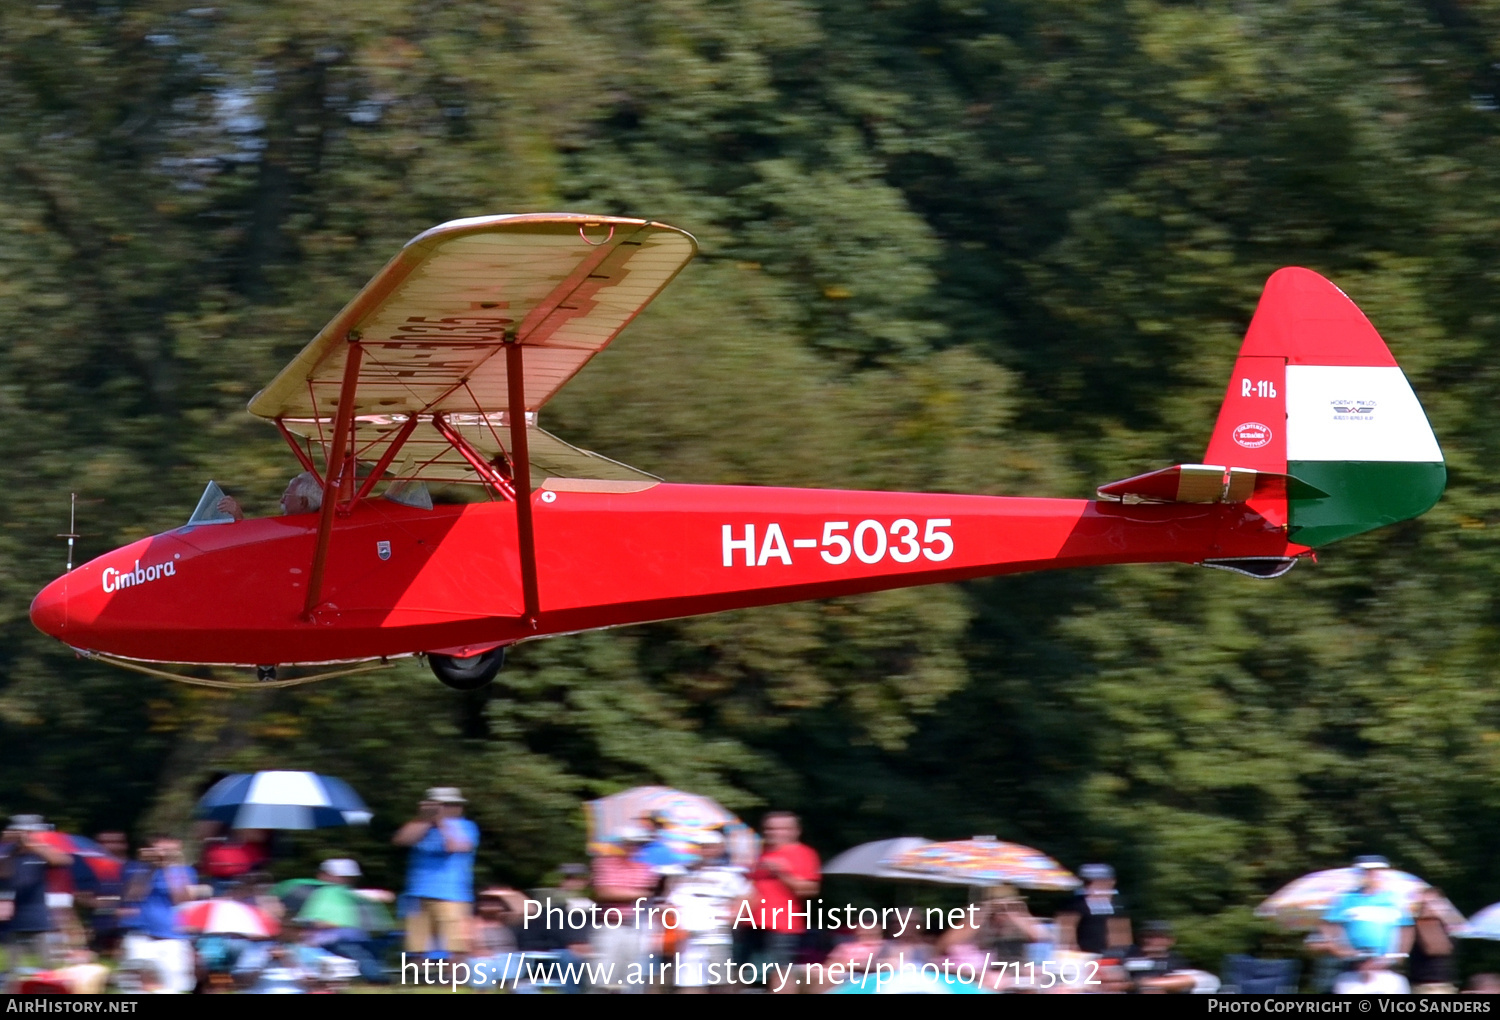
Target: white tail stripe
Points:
(1344, 413)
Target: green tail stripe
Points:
(1299, 488)
(1362, 496)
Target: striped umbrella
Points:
(225, 917)
(985, 861)
(678, 815)
(283, 800)
(1301, 903)
(92, 863)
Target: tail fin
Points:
(1316, 395)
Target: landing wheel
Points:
(469, 673)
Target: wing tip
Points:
(483, 224)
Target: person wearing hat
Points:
(25, 919)
(1152, 965)
(706, 899)
(440, 876)
(1370, 921)
(1094, 920)
(354, 942)
(339, 871)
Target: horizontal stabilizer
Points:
(1207, 483)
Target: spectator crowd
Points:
(651, 911)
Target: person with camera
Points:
(440, 875)
(155, 885)
(25, 920)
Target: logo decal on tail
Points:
(1353, 410)
(1252, 435)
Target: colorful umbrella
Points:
(679, 816)
(1483, 925)
(283, 800)
(92, 863)
(1301, 903)
(337, 906)
(868, 860)
(985, 861)
(225, 917)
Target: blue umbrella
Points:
(283, 800)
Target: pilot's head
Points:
(303, 495)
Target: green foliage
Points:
(992, 246)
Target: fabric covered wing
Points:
(433, 323)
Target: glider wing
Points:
(431, 328)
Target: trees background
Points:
(999, 246)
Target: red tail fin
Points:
(1251, 431)
(1302, 319)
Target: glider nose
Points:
(49, 610)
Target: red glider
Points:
(435, 373)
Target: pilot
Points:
(303, 495)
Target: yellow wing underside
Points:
(432, 326)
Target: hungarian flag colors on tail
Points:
(1316, 395)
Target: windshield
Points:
(207, 511)
(410, 493)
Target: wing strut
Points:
(520, 457)
(302, 457)
(392, 448)
(342, 439)
(483, 468)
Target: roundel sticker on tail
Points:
(1251, 431)
(1252, 435)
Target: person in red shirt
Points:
(227, 859)
(785, 878)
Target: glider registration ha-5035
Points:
(436, 370)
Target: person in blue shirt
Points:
(440, 875)
(1368, 921)
(154, 887)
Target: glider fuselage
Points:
(401, 580)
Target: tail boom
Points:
(732, 547)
